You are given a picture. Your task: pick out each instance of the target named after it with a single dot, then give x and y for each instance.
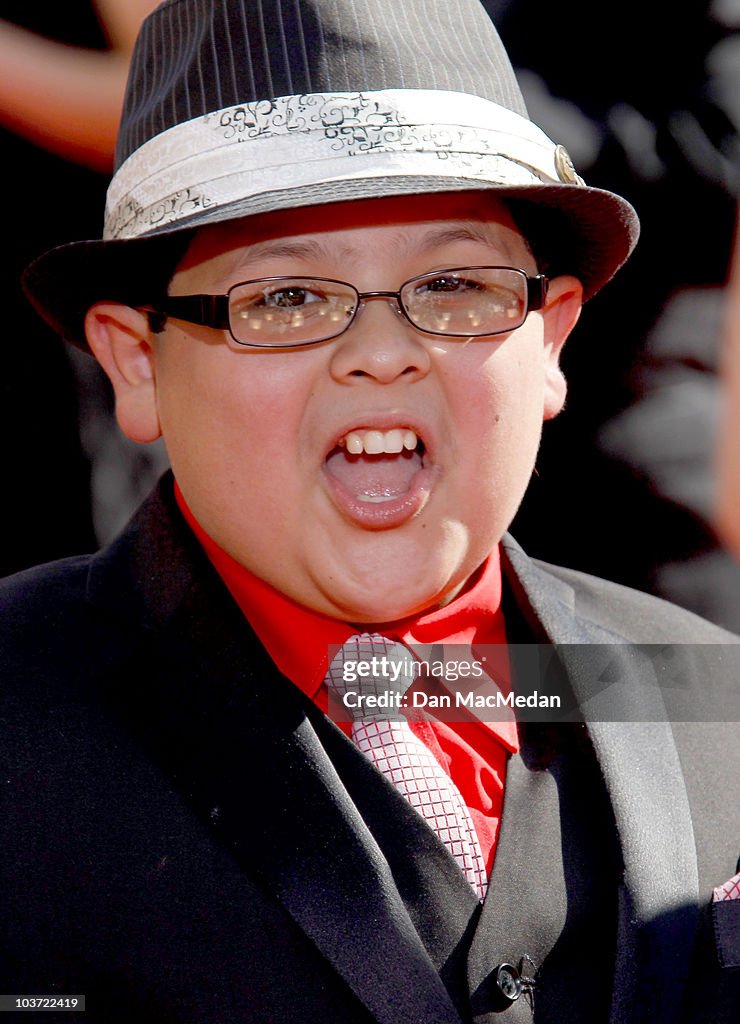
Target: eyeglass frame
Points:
(213, 310)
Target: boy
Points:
(339, 270)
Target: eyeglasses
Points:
(292, 312)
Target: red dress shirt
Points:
(474, 754)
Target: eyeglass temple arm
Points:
(536, 291)
(206, 310)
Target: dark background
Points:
(645, 96)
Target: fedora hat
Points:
(240, 107)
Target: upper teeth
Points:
(378, 442)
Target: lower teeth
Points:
(376, 498)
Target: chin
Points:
(384, 602)
(393, 576)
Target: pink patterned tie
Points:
(729, 891)
(384, 736)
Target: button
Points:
(564, 167)
(508, 983)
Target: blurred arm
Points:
(727, 518)
(67, 98)
(121, 20)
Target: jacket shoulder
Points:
(638, 616)
(557, 598)
(45, 590)
(47, 625)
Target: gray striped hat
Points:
(238, 107)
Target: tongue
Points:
(374, 476)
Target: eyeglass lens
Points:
(290, 311)
(462, 302)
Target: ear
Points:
(560, 315)
(121, 340)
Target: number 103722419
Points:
(38, 1002)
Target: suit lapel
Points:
(643, 775)
(238, 740)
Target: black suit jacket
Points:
(186, 838)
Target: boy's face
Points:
(257, 439)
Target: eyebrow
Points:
(315, 249)
(467, 233)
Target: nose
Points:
(381, 345)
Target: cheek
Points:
(231, 423)
(502, 404)
(501, 413)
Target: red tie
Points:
(383, 735)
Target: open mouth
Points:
(379, 477)
(377, 465)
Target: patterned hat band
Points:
(320, 146)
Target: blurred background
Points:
(72, 479)
(647, 104)
(647, 101)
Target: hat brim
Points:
(573, 229)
